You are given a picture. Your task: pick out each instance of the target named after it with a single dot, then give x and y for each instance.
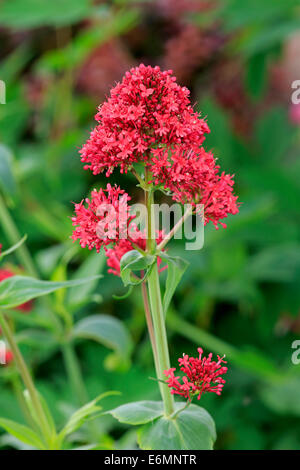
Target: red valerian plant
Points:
(148, 126)
(202, 375)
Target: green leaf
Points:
(83, 414)
(124, 296)
(135, 261)
(7, 182)
(17, 290)
(13, 248)
(264, 39)
(191, 429)
(34, 13)
(93, 265)
(176, 269)
(139, 412)
(239, 14)
(106, 330)
(46, 411)
(23, 433)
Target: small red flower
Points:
(202, 375)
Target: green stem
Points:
(14, 236)
(74, 373)
(162, 351)
(160, 336)
(176, 227)
(18, 390)
(149, 323)
(26, 377)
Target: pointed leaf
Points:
(106, 330)
(23, 433)
(139, 412)
(45, 408)
(176, 269)
(83, 414)
(135, 261)
(17, 290)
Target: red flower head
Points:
(104, 220)
(201, 375)
(148, 109)
(149, 118)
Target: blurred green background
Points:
(241, 294)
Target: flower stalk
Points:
(175, 229)
(160, 335)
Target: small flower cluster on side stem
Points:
(202, 375)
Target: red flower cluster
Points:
(149, 118)
(147, 110)
(193, 177)
(201, 375)
(104, 220)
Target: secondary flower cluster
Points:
(202, 375)
(104, 219)
(193, 177)
(148, 118)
